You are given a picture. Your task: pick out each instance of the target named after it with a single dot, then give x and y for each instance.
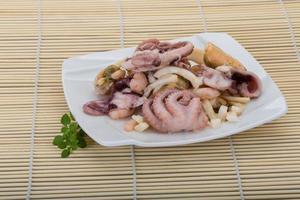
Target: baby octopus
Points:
(120, 105)
(236, 81)
(152, 54)
(174, 110)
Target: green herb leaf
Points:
(71, 136)
(73, 141)
(62, 145)
(65, 119)
(74, 146)
(65, 153)
(64, 129)
(81, 142)
(73, 127)
(66, 134)
(57, 140)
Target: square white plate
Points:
(78, 75)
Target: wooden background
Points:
(37, 35)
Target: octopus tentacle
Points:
(151, 118)
(126, 101)
(96, 108)
(159, 106)
(149, 44)
(152, 55)
(194, 110)
(181, 111)
(216, 79)
(146, 58)
(183, 48)
(202, 120)
(120, 105)
(176, 103)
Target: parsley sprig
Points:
(71, 137)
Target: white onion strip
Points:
(242, 100)
(159, 83)
(209, 109)
(195, 81)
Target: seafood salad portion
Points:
(174, 87)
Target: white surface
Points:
(78, 75)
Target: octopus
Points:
(152, 54)
(246, 83)
(97, 107)
(216, 79)
(120, 105)
(235, 81)
(174, 110)
(121, 85)
(212, 78)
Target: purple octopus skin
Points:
(175, 110)
(152, 55)
(119, 100)
(236, 82)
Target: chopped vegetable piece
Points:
(141, 127)
(195, 81)
(232, 117)
(222, 112)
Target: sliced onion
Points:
(150, 77)
(195, 81)
(208, 109)
(232, 117)
(237, 109)
(222, 112)
(159, 83)
(157, 89)
(236, 99)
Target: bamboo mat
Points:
(35, 38)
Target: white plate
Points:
(78, 75)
